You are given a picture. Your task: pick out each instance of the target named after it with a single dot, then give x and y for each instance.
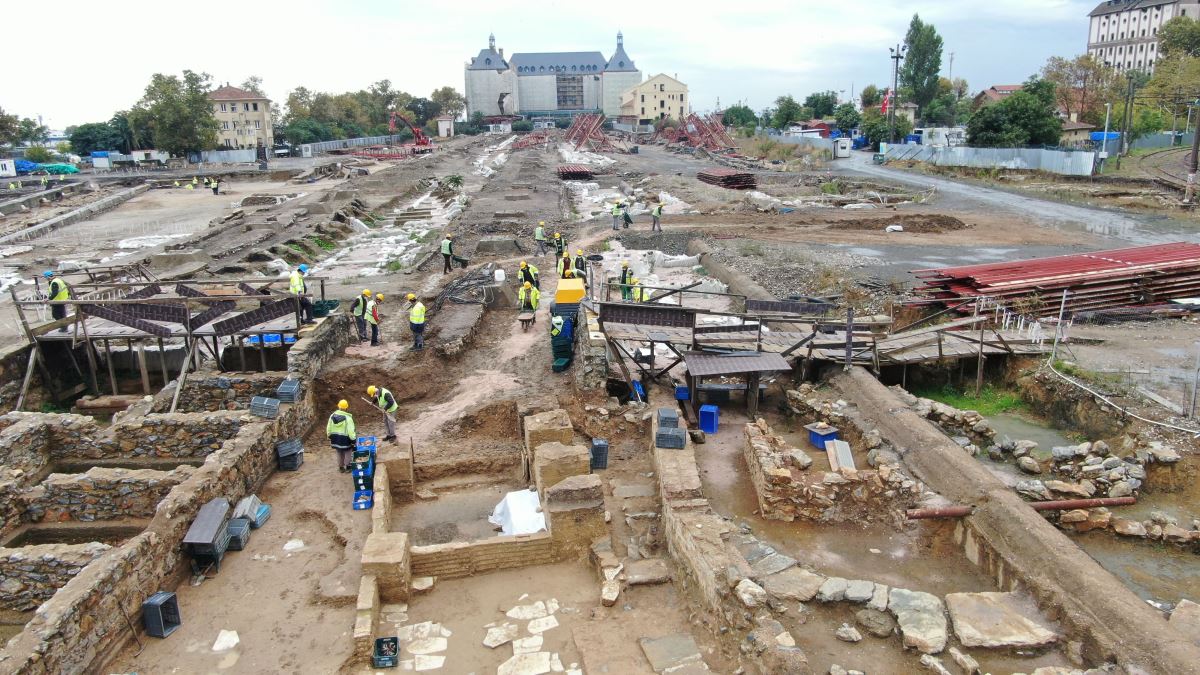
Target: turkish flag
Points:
(887, 101)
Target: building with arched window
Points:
(548, 83)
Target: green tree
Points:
(870, 96)
(822, 104)
(178, 113)
(450, 101)
(1082, 86)
(30, 132)
(787, 111)
(254, 85)
(875, 127)
(922, 62)
(92, 136)
(738, 116)
(1027, 117)
(847, 117)
(307, 130)
(9, 127)
(1173, 83)
(423, 110)
(39, 154)
(63, 148)
(132, 135)
(1179, 37)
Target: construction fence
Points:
(313, 149)
(813, 142)
(1061, 162)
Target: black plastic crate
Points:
(291, 446)
(387, 652)
(160, 614)
(263, 406)
(599, 453)
(288, 391)
(671, 438)
(668, 418)
(363, 481)
(292, 462)
(239, 533)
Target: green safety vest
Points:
(297, 283)
(360, 306)
(657, 212)
(369, 312)
(534, 297)
(539, 234)
(344, 428)
(626, 275)
(59, 290)
(417, 313)
(382, 398)
(616, 209)
(530, 274)
(446, 244)
(559, 245)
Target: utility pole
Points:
(1104, 147)
(1190, 190)
(897, 56)
(1126, 119)
(950, 73)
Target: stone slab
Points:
(921, 617)
(670, 651)
(794, 583)
(1186, 619)
(772, 564)
(647, 571)
(995, 620)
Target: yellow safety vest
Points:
(360, 306)
(533, 273)
(446, 244)
(370, 312)
(616, 210)
(539, 234)
(297, 283)
(381, 400)
(534, 297)
(343, 428)
(417, 313)
(59, 290)
(657, 212)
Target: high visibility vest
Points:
(447, 247)
(616, 209)
(534, 297)
(564, 264)
(383, 398)
(626, 275)
(580, 263)
(194, 181)
(539, 234)
(297, 283)
(360, 306)
(176, 183)
(530, 274)
(59, 290)
(657, 212)
(341, 423)
(370, 312)
(560, 245)
(639, 293)
(417, 313)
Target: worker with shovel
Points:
(388, 406)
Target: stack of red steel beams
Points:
(539, 137)
(574, 172)
(728, 178)
(1118, 278)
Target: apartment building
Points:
(1124, 33)
(657, 98)
(243, 118)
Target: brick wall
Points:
(454, 560)
(31, 574)
(101, 494)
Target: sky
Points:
(90, 59)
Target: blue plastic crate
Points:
(272, 340)
(818, 436)
(291, 446)
(252, 339)
(599, 453)
(289, 339)
(261, 516)
(639, 390)
(682, 393)
(709, 418)
(363, 499)
(239, 534)
(365, 440)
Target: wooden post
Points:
(182, 377)
(87, 348)
(162, 361)
(979, 368)
(849, 336)
(112, 377)
(33, 354)
(141, 350)
(752, 394)
(242, 350)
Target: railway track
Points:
(1167, 167)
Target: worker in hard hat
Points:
(359, 311)
(529, 273)
(639, 294)
(56, 292)
(298, 288)
(560, 244)
(656, 217)
(416, 321)
(616, 214)
(447, 252)
(528, 297)
(579, 262)
(626, 281)
(539, 237)
(373, 317)
(387, 404)
(341, 432)
(564, 269)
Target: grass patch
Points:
(322, 243)
(751, 248)
(833, 187)
(394, 266)
(991, 401)
(53, 408)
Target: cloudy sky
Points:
(87, 59)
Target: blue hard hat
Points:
(47, 274)
(304, 269)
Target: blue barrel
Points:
(709, 418)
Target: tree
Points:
(178, 112)
(1026, 117)
(1174, 78)
(738, 116)
(847, 117)
(9, 125)
(822, 104)
(30, 132)
(423, 110)
(92, 136)
(1082, 86)
(787, 111)
(63, 148)
(307, 131)
(39, 154)
(922, 62)
(253, 84)
(133, 133)
(450, 101)
(875, 127)
(870, 96)
(1179, 37)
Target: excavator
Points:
(422, 144)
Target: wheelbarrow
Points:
(526, 318)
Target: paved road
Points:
(1106, 227)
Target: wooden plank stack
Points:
(728, 178)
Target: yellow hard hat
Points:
(411, 296)
(637, 281)
(379, 297)
(367, 292)
(541, 222)
(343, 404)
(578, 251)
(371, 390)
(524, 264)
(557, 235)
(566, 254)
(449, 236)
(625, 263)
(528, 285)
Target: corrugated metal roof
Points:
(702, 364)
(558, 63)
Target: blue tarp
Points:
(1098, 136)
(26, 166)
(99, 153)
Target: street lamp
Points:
(897, 55)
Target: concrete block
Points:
(552, 462)
(388, 557)
(553, 426)
(585, 488)
(381, 510)
(575, 513)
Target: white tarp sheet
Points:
(519, 513)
